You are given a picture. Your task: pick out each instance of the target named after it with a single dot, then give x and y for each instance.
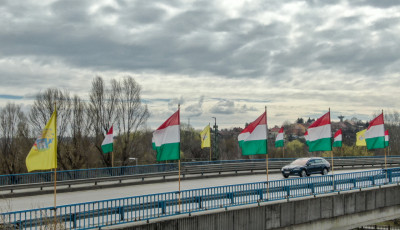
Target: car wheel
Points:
(286, 176)
(303, 173)
(324, 171)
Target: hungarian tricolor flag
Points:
(253, 139)
(166, 139)
(306, 137)
(319, 134)
(107, 145)
(279, 139)
(386, 138)
(337, 139)
(375, 134)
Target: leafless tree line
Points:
(81, 126)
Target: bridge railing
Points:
(130, 209)
(81, 174)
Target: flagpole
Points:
(384, 149)
(283, 151)
(55, 170)
(179, 164)
(266, 150)
(333, 170)
(112, 159)
(210, 138)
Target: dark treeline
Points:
(82, 124)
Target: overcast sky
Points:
(226, 59)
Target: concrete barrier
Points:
(334, 211)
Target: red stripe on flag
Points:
(172, 120)
(387, 133)
(281, 130)
(377, 121)
(324, 120)
(261, 120)
(338, 133)
(110, 131)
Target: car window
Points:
(300, 161)
(319, 161)
(311, 162)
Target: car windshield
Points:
(299, 162)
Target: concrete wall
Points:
(335, 211)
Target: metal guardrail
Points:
(130, 209)
(71, 177)
(378, 227)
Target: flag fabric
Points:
(361, 138)
(43, 154)
(386, 138)
(166, 139)
(107, 145)
(337, 139)
(306, 137)
(279, 142)
(253, 139)
(319, 134)
(205, 137)
(375, 134)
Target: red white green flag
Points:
(279, 142)
(386, 138)
(375, 134)
(107, 145)
(337, 139)
(319, 134)
(253, 139)
(166, 139)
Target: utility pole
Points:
(215, 139)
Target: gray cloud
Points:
(223, 107)
(228, 107)
(195, 110)
(200, 38)
(302, 53)
(174, 102)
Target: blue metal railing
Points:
(130, 209)
(43, 177)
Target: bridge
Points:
(197, 203)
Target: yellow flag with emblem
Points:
(361, 138)
(205, 137)
(43, 154)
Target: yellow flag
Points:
(43, 154)
(361, 138)
(205, 137)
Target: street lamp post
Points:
(215, 138)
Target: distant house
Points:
(273, 131)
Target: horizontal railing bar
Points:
(168, 201)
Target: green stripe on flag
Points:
(107, 148)
(279, 143)
(375, 143)
(337, 144)
(169, 151)
(323, 144)
(253, 147)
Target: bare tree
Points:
(41, 112)
(14, 137)
(102, 112)
(132, 115)
(76, 152)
